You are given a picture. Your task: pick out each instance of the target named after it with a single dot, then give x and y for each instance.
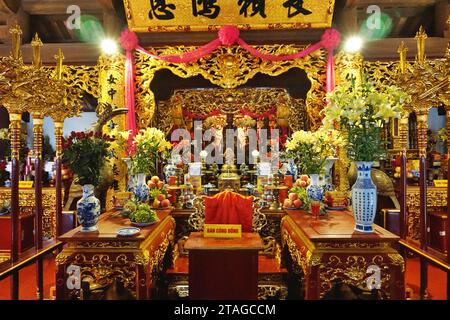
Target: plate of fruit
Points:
(297, 199)
(158, 193)
(143, 216)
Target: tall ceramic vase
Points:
(315, 191)
(364, 198)
(140, 189)
(88, 209)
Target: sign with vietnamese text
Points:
(440, 183)
(210, 15)
(25, 184)
(222, 231)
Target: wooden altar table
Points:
(27, 205)
(223, 268)
(328, 248)
(103, 255)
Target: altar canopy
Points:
(227, 36)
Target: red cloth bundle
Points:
(229, 208)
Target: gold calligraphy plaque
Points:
(210, 15)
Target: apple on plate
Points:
(303, 184)
(298, 203)
(304, 177)
(155, 179)
(287, 203)
(293, 196)
(165, 203)
(161, 197)
(156, 204)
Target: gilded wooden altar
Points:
(436, 197)
(104, 256)
(27, 205)
(328, 249)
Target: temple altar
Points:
(104, 256)
(321, 252)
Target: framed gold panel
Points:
(230, 68)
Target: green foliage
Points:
(144, 159)
(144, 214)
(85, 154)
(362, 111)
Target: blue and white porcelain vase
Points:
(88, 209)
(141, 190)
(170, 170)
(315, 191)
(364, 198)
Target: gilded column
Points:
(422, 127)
(58, 178)
(14, 127)
(112, 95)
(38, 121)
(403, 130)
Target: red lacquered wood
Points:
(423, 201)
(447, 231)
(38, 201)
(223, 269)
(15, 120)
(59, 200)
(403, 216)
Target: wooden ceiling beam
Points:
(9, 6)
(47, 7)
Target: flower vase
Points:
(315, 191)
(141, 190)
(364, 198)
(327, 181)
(88, 209)
(170, 170)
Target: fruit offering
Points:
(144, 214)
(161, 202)
(293, 201)
(129, 208)
(303, 182)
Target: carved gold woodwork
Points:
(229, 68)
(204, 101)
(137, 264)
(436, 197)
(27, 204)
(320, 263)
